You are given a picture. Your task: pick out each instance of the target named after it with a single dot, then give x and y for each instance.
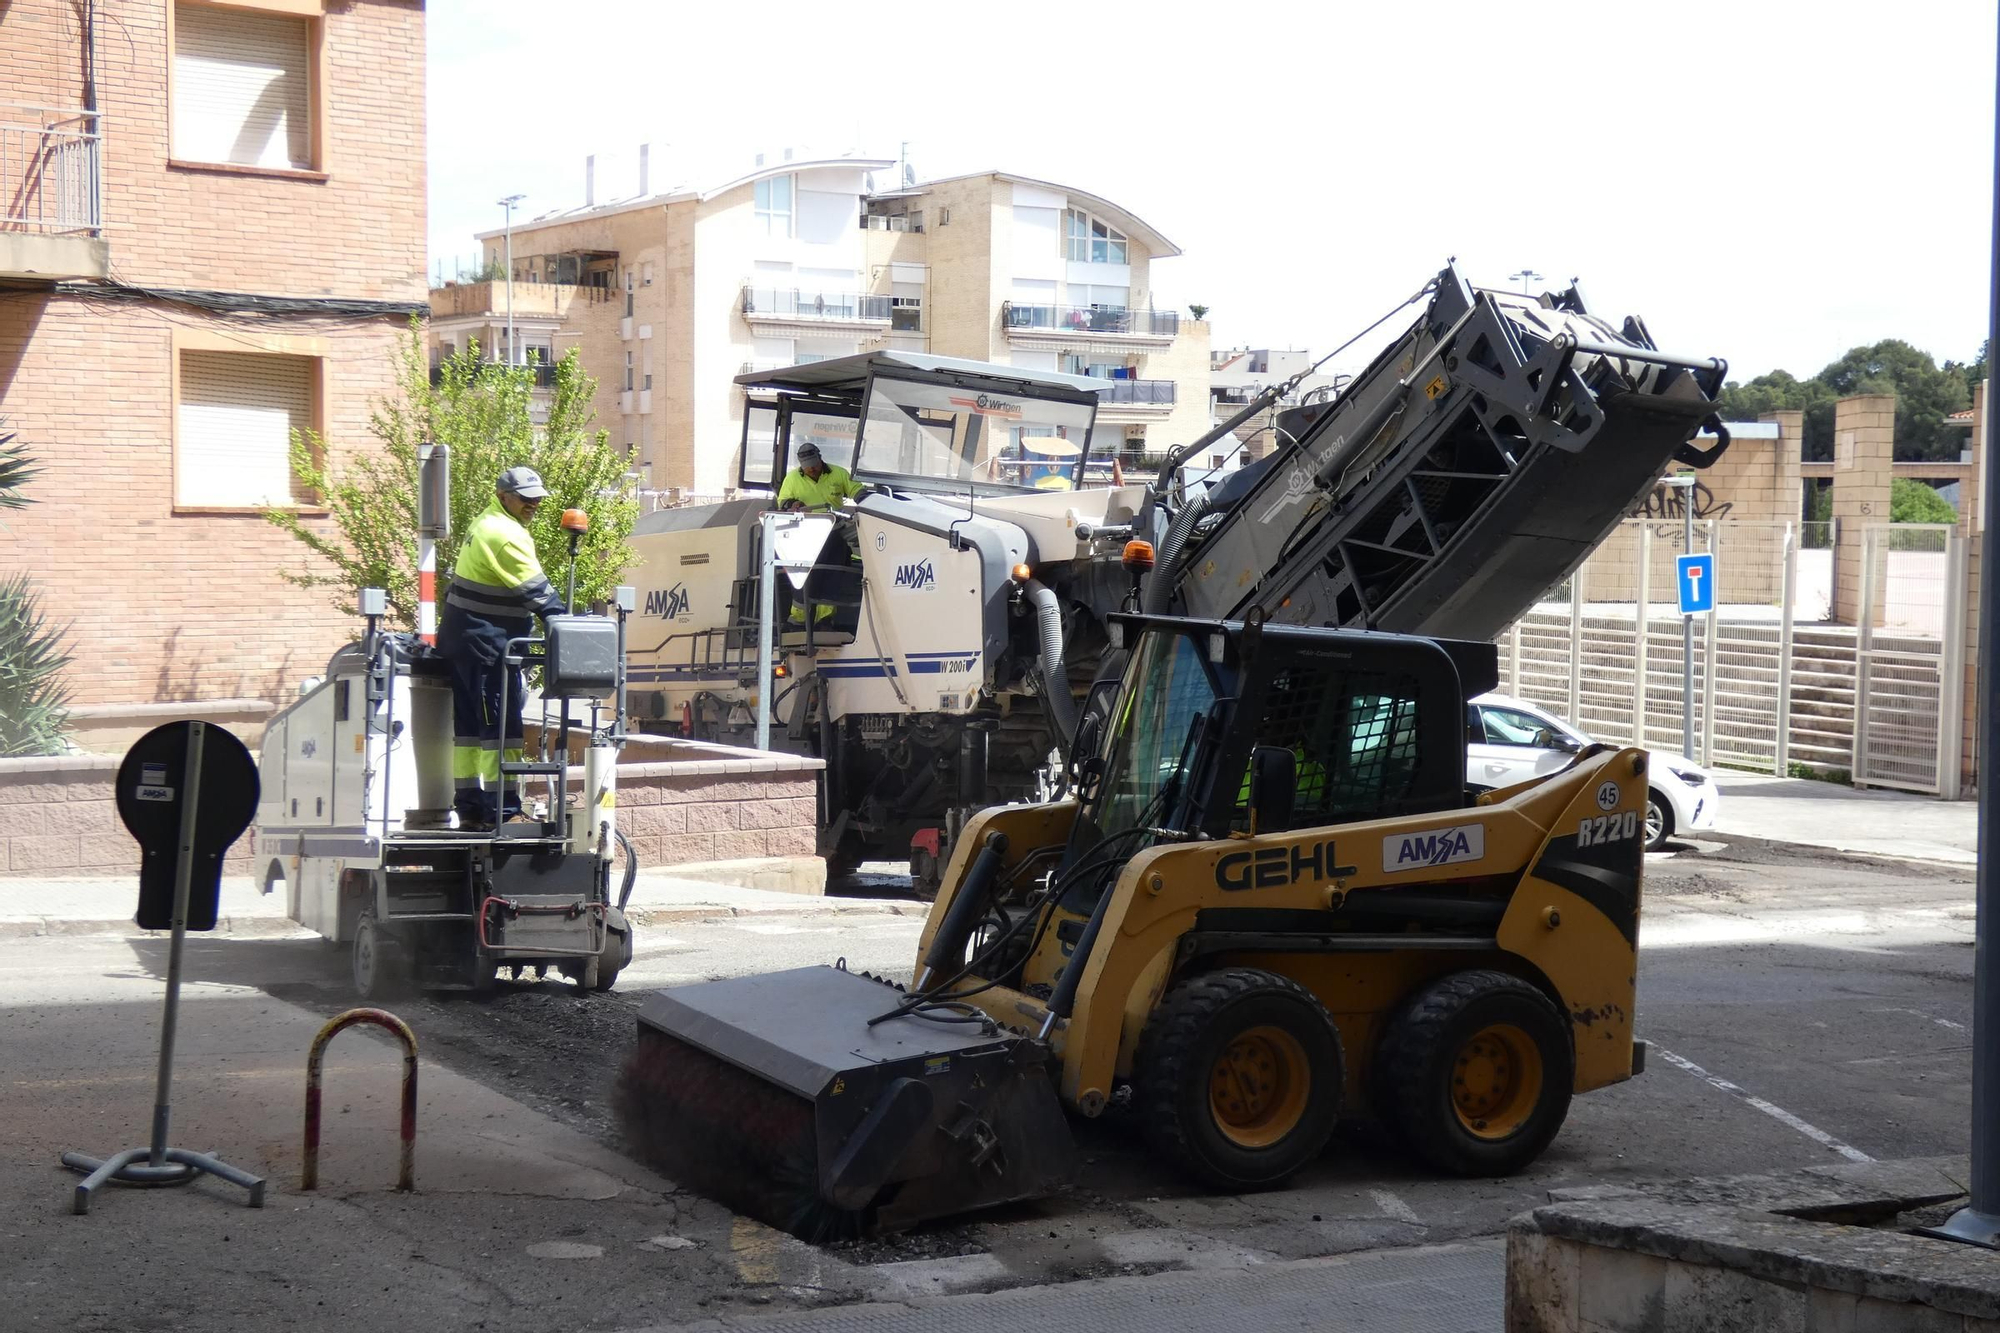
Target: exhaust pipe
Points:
(1055, 676)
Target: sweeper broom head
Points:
(776, 1097)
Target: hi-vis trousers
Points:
(477, 747)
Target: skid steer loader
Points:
(1272, 904)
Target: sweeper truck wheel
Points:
(379, 970)
(1239, 1077)
(1476, 1072)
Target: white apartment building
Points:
(674, 294)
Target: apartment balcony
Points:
(51, 220)
(789, 311)
(1130, 401)
(544, 376)
(1070, 327)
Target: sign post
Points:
(1978, 1223)
(186, 791)
(1694, 580)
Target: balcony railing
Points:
(1091, 319)
(543, 374)
(1145, 393)
(49, 170)
(895, 222)
(770, 303)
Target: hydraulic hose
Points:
(1055, 676)
(1159, 594)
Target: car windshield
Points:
(1168, 686)
(969, 439)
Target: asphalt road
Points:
(1805, 1007)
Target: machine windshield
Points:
(968, 439)
(1170, 689)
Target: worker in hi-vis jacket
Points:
(497, 588)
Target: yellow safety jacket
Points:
(497, 588)
(833, 486)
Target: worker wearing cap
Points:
(497, 589)
(814, 483)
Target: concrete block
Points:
(741, 845)
(27, 821)
(1700, 1298)
(32, 793)
(1620, 1291)
(712, 817)
(92, 818)
(120, 850)
(48, 854)
(1878, 1316)
(676, 849)
(1541, 1283)
(1830, 1311)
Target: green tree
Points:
(481, 411)
(1911, 501)
(34, 698)
(1925, 395)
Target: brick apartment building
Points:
(211, 234)
(669, 295)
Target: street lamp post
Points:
(1524, 277)
(508, 204)
(1684, 483)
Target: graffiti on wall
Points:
(1673, 502)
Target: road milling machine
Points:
(1270, 904)
(1473, 464)
(355, 824)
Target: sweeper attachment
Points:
(1273, 903)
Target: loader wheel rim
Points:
(1496, 1081)
(1259, 1086)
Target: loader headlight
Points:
(1022, 573)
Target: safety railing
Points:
(407, 1168)
(783, 303)
(1091, 319)
(49, 180)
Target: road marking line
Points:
(1941, 1022)
(1778, 1113)
(1395, 1207)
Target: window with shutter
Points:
(234, 435)
(242, 87)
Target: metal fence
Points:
(49, 170)
(1777, 682)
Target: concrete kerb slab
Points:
(1789, 1246)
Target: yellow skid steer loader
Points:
(1271, 903)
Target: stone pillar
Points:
(1969, 734)
(1972, 492)
(1791, 453)
(1864, 441)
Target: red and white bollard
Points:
(406, 1173)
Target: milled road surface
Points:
(1804, 1007)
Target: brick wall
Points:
(165, 605)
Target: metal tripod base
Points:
(182, 1167)
(1968, 1226)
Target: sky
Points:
(1757, 187)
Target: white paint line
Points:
(1394, 1207)
(1941, 1022)
(1778, 1113)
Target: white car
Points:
(1510, 740)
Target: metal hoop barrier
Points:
(406, 1175)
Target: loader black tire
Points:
(613, 958)
(1475, 1072)
(1239, 1077)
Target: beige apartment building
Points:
(211, 235)
(669, 296)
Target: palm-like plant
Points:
(17, 469)
(34, 701)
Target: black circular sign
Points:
(152, 791)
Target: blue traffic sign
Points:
(1694, 575)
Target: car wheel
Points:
(1659, 820)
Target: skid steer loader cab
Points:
(1273, 904)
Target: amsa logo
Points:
(1438, 847)
(916, 575)
(668, 603)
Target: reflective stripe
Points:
(492, 610)
(465, 763)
